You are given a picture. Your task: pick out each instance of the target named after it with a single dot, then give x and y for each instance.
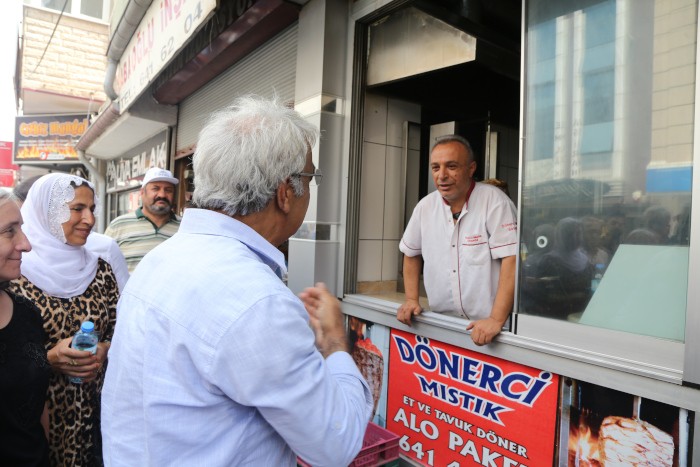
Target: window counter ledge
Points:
(653, 380)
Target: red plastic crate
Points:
(379, 447)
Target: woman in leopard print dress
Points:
(69, 285)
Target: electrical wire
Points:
(50, 38)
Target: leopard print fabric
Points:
(74, 409)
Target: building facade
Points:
(585, 107)
(59, 81)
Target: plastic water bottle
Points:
(597, 276)
(85, 339)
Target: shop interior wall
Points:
(381, 202)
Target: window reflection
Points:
(559, 280)
(607, 163)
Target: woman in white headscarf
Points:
(69, 284)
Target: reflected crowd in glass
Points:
(607, 164)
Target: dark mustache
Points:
(155, 200)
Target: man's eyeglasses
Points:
(315, 177)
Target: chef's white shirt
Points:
(461, 260)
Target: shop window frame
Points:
(656, 358)
(591, 354)
(691, 361)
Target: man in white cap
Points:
(140, 231)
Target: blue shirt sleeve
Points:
(320, 407)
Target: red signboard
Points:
(453, 407)
(7, 169)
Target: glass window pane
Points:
(57, 5)
(607, 163)
(91, 8)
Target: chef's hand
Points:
(408, 310)
(484, 330)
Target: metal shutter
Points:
(269, 70)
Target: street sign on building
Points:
(51, 138)
(163, 31)
(127, 171)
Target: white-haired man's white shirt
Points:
(461, 261)
(213, 361)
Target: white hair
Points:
(245, 151)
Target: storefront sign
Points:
(452, 407)
(8, 171)
(163, 31)
(127, 171)
(48, 138)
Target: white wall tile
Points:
(390, 260)
(369, 260)
(412, 183)
(397, 113)
(393, 194)
(414, 138)
(375, 119)
(372, 191)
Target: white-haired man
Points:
(140, 231)
(214, 361)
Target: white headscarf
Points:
(59, 269)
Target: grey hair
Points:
(20, 190)
(454, 139)
(245, 151)
(6, 195)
